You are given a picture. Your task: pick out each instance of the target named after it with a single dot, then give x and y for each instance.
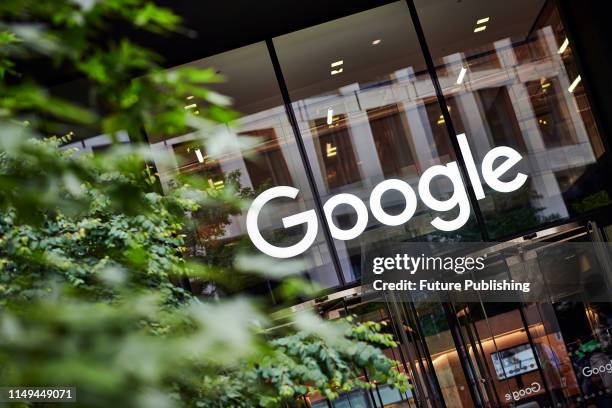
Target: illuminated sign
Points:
(505, 158)
(534, 388)
(602, 369)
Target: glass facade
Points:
(373, 101)
(259, 152)
(341, 106)
(382, 107)
(516, 83)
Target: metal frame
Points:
(542, 231)
(431, 69)
(299, 141)
(450, 128)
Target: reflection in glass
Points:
(389, 131)
(259, 153)
(378, 118)
(339, 164)
(516, 83)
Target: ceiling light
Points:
(193, 105)
(217, 185)
(190, 97)
(376, 42)
(199, 155)
(461, 75)
(563, 46)
(482, 20)
(337, 63)
(337, 71)
(441, 120)
(479, 29)
(330, 116)
(330, 150)
(574, 84)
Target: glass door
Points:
(556, 351)
(369, 307)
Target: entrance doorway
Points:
(555, 352)
(548, 353)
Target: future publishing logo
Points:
(495, 164)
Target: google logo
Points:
(495, 164)
(604, 368)
(534, 388)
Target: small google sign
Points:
(533, 388)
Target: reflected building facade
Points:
(341, 106)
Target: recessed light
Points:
(193, 105)
(563, 46)
(330, 116)
(574, 84)
(337, 63)
(479, 29)
(337, 71)
(482, 20)
(199, 155)
(461, 75)
(330, 150)
(376, 42)
(217, 185)
(190, 97)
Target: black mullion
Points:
(280, 79)
(463, 354)
(447, 118)
(396, 324)
(589, 83)
(426, 354)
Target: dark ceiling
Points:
(229, 24)
(214, 26)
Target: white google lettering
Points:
(604, 368)
(534, 388)
(459, 199)
(307, 217)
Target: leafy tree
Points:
(90, 250)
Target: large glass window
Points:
(367, 111)
(389, 128)
(510, 69)
(258, 153)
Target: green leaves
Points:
(156, 19)
(94, 274)
(7, 38)
(305, 363)
(28, 98)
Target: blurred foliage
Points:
(591, 202)
(92, 254)
(310, 362)
(69, 219)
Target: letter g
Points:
(307, 217)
